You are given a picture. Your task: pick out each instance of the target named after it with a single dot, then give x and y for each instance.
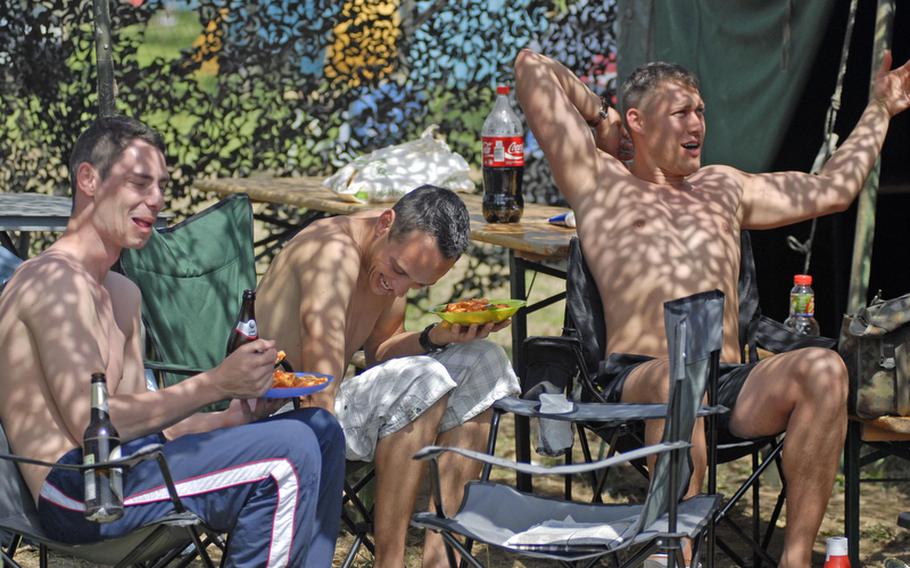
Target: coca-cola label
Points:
(248, 329)
(503, 151)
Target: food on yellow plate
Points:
(283, 380)
(476, 305)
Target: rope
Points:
(829, 144)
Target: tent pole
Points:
(105, 63)
(865, 211)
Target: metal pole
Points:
(103, 57)
(865, 211)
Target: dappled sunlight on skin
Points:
(296, 274)
(24, 408)
(647, 244)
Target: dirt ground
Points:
(881, 540)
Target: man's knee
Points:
(822, 376)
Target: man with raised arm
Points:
(340, 285)
(275, 484)
(663, 227)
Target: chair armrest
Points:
(772, 335)
(433, 452)
(145, 453)
(172, 368)
(610, 414)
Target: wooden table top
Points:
(533, 238)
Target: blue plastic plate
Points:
(298, 391)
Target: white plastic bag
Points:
(388, 173)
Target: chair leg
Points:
(852, 489)
(452, 542)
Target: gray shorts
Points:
(386, 398)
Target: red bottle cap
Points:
(502, 90)
(802, 280)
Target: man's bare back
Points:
(646, 244)
(326, 255)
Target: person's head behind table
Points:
(419, 240)
(103, 142)
(436, 211)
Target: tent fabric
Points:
(752, 57)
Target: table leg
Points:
(852, 489)
(519, 333)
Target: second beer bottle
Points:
(245, 329)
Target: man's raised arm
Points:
(777, 199)
(558, 108)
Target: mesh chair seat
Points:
(493, 513)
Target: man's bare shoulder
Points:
(325, 237)
(44, 280)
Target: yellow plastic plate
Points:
(484, 316)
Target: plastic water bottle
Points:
(802, 306)
(502, 139)
(836, 553)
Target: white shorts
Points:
(386, 398)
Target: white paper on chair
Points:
(555, 404)
(565, 533)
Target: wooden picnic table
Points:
(533, 238)
(533, 244)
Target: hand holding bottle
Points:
(247, 372)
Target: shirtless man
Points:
(275, 484)
(339, 286)
(665, 227)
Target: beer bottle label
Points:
(503, 151)
(91, 491)
(116, 476)
(248, 329)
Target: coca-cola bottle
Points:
(245, 329)
(101, 443)
(503, 162)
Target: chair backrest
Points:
(192, 276)
(584, 307)
(694, 327)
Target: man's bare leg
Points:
(398, 479)
(805, 393)
(649, 383)
(455, 471)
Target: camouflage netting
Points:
(284, 87)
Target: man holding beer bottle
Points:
(64, 316)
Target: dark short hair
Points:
(436, 211)
(102, 143)
(648, 77)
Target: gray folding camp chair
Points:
(568, 531)
(157, 544)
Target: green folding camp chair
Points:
(192, 276)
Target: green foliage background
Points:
(286, 87)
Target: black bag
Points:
(876, 349)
